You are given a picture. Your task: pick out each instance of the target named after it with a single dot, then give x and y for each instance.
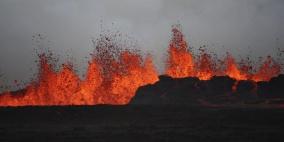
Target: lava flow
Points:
(114, 74)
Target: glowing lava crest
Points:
(114, 74)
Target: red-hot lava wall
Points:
(114, 74)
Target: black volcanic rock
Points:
(263, 89)
(220, 85)
(276, 86)
(272, 89)
(182, 90)
(246, 89)
(192, 91)
(168, 91)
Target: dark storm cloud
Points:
(69, 25)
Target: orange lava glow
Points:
(181, 63)
(267, 70)
(114, 74)
(232, 70)
(204, 67)
(113, 82)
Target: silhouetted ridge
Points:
(217, 90)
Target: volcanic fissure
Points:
(114, 74)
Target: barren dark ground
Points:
(141, 123)
(170, 110)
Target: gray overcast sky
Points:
(71, 24)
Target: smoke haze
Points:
(241, 27)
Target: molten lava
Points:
(111, 80)
(267, 70)
(232, 70)
(114, 74)
(205, 67)
(181, 63)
